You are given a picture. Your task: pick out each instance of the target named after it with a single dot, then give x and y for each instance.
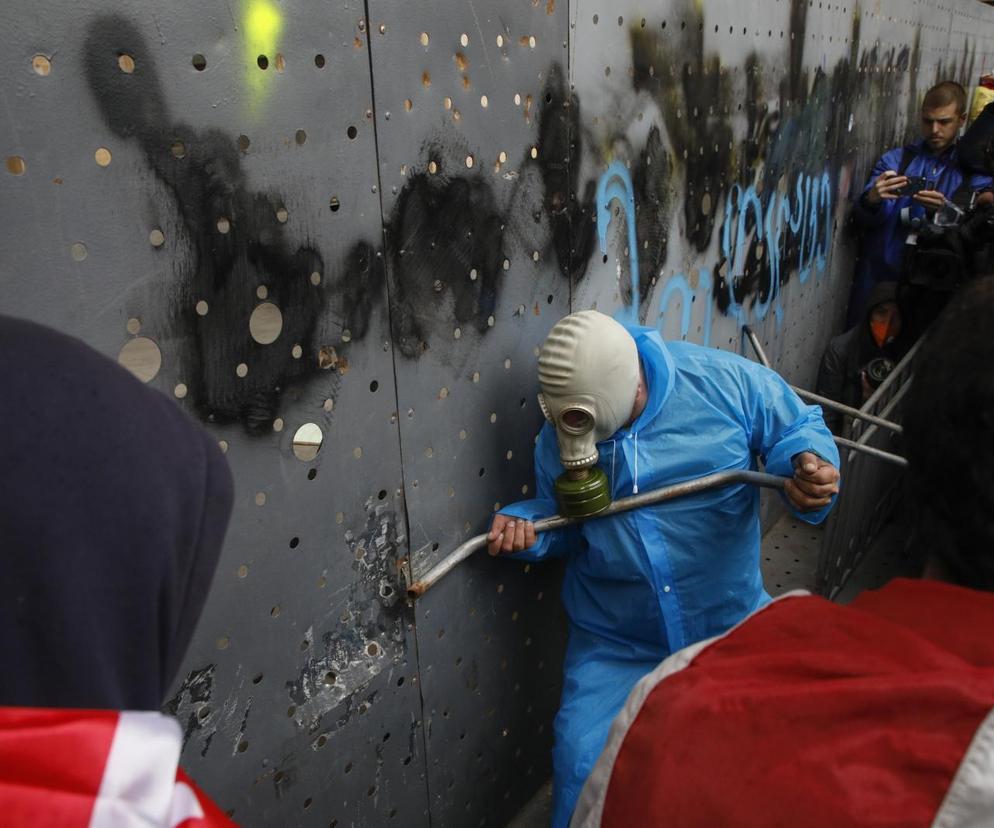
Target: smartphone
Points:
(916, 183)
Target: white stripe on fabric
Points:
(140, 775)
(185, 805)
(590, 806)
(969, 802)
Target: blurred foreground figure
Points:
(880, 713)
(114, 507)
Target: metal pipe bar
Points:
(625, 504)
(880, 454)
(817, 398)
(899, 395)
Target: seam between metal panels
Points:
(396, 395)
(570, 138)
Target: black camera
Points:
(877, 370)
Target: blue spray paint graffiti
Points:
(678, 284)
(807, 218)
(616, 183)
(801, 223)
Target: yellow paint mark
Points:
(262, 24)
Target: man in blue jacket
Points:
(888, 204)
(643, 584)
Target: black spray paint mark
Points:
(693, 93)
(651, 180)
(237, 244)
(559, 156)
(446, 236)
(449, 235)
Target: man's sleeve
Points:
(552, 544)
(863, 213)
(980, 182)
(782, 427)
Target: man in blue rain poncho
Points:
(643, 584)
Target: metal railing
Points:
(870, 490)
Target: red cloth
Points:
(815, 714)
(54, 765)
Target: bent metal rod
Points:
(625, 504)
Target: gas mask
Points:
(589, 372)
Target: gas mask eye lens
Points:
(576, 421)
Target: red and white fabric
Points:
(96, 769)
(810, 713)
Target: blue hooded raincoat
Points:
(643, 584)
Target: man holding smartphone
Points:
(909, 183)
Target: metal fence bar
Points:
(810, 396)
(880, 454)
(894, 401)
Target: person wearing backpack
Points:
(910, 183)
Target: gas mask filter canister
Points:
(588, 369)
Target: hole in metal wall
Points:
(199, 62)
(307, 441)
(142, 357)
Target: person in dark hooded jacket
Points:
(113, 508)
(855, 362)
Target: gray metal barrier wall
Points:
(361, 219)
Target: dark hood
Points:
(882, 292)
(113, 508)
(868, 348)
